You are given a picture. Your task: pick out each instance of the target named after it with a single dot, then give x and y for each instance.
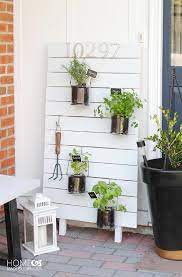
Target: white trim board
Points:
(114, 157)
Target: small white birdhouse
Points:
(40, 234)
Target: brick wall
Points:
(7, 151)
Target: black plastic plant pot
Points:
(105, 219)
(119, 125)
(76, 184)
(80, 95)
(165, 198)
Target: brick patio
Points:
(92, 252)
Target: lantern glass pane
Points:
(29, 236)
(45, 235)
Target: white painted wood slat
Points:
(63, 197)
(104, 80)
(99, 65)
(90, 215)
(129, 188)
(87, 139)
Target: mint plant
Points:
(168, 141)
(78, 71)
(79, 167)
(120, 104)
(107, 196)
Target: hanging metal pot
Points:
(80, 95)
(119, 124)
(76, 183)
(105, 219)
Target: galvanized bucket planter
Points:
(119, 125)
(80, 95)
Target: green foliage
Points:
(78, 71)
(168, 141)
(107, 196)
(122, 104)
(79, 168)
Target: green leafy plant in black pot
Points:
(79, 165)
(121, 107)
(107, 203)
(163, 177)
(78, 72)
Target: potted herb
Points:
(120, 106)
(163, 177)
(78, 72)
(106, 203)
(79, 165)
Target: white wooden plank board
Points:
(90, 215)
(66, 50)
(129, 188)
(125, 172)
(104, 80)
(84, 124)
(98, 65)
(99, 155)
(63, 94)
(63, 197)
(99, 140)
(101, 170)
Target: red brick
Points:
(2, 48)
(2, 90)
(7, 100)
(5, 59)
(6, 17)
(11, 171)
(4, 171)
(11, 110)
(3, 133)
(11, 131)
(10, 48)
(7, 142)
(8, 162)
(10, 28)
(120, 266)
(3, 154)
(6, 37)
(11, 152)
(4, 80)
(3, 111)
(11, 90)
(2, 6)
(10, 8)
(2, 69)
(9, 121)
(10, 69)
(3, 27)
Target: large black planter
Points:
(119, 125)
(105, 219)
(80, 95)
(76, 184)
(165, 198)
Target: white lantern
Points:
(40, 234)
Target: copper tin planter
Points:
(76, 184)
(119, 125)
(80, 95)
(105, 219)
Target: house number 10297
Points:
(92, 49)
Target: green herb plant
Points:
(120, 104)
(107, 196)
(168, 141)
(78, 71)
(79, 168)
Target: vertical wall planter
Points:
(105, 219)
(80, 95)
(76, 183)
(119, 124)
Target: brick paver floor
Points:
(92, 252)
